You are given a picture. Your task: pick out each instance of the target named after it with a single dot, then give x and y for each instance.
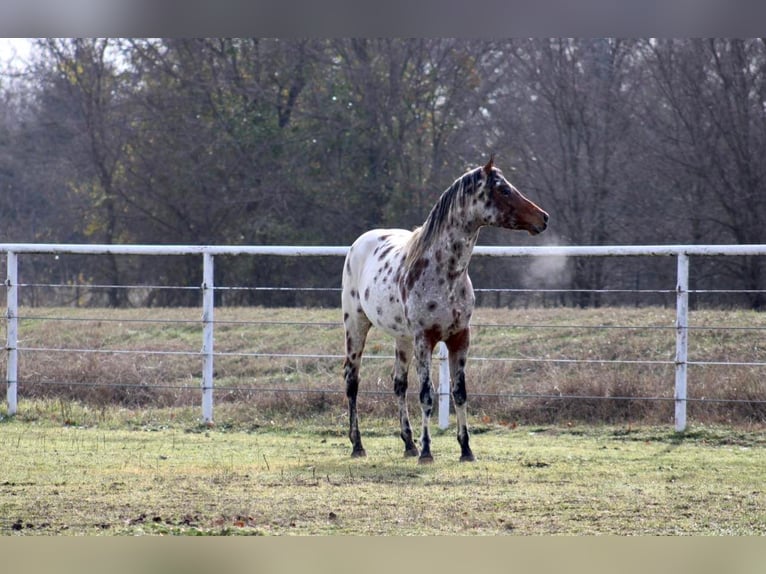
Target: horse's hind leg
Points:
(401, 366)
(356, 334)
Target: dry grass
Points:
(505, 384)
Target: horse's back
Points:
(366, 251)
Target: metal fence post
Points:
(682, 340)
(444, 387)
(208, 305)
(12, 323)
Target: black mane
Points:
(424, 236)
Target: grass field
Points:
(111, 443)
(131, 472)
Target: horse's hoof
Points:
(358, 453)
(425, 459)
(409, 452)
(467, 457)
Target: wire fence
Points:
(201, 330)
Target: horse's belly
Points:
(384, 309)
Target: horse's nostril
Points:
(545, 217)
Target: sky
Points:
(14, 52)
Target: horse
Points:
(414, 285)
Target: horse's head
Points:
(505, 206)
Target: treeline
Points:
(271, 141)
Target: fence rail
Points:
(682, 253)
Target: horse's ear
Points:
(490, 163)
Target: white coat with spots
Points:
(415, 286)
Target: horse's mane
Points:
(424, 235)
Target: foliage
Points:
(296, 141)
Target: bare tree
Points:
(403, 113)
(711, 123)
(567, 116)
(84, 101)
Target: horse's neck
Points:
(454, 247)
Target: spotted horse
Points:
(414, 285)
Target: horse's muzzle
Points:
(538, 228)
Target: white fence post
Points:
(682, 340)
(12, 319)
(444, 386)
(208, 305)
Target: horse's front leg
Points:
(458, 351)
(423, 352)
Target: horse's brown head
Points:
(507, 207)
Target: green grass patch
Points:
(126, 472)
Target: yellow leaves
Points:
(94, 227)
(72, 71)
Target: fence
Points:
(208, 253)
